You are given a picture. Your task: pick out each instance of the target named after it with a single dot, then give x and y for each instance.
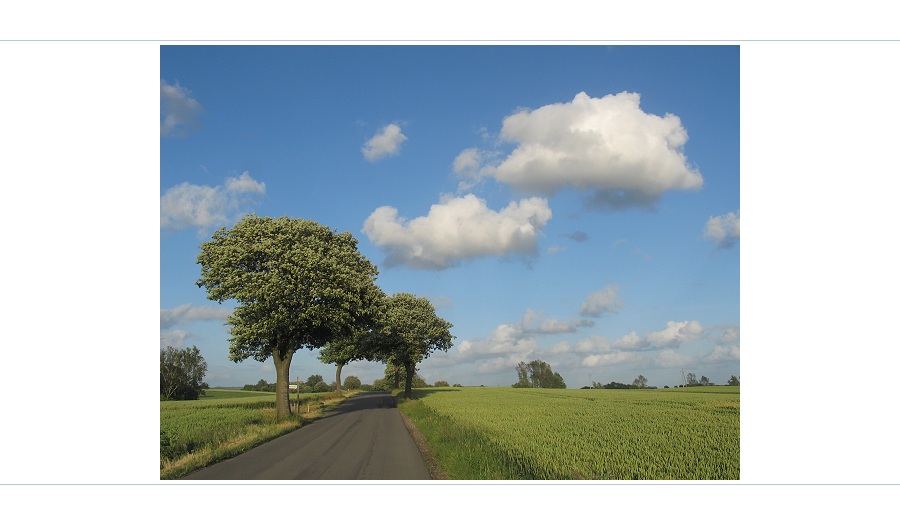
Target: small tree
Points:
(181, 373)
(734, 381)
(313, 380)
(640, 382)
(352, 383)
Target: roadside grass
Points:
(505, 433)
(225, 423)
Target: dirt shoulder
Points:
(433, 469)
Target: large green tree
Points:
(409, 331)
(298, 284)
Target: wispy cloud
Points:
(169, 317)
(456, 229)
(385, 143)
(179, 112)
(602, 302)
(189, 205)
(173, 338)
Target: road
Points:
(364, 438)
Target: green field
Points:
(510, 433)
(222, 424)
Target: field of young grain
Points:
(510, 433)
(224, 423)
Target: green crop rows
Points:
(506, 433)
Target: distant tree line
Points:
(315, 383)
(641, 382)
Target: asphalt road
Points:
(364, 438)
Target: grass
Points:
(225, 423)
(508, 433)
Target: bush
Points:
(441, 383)
(322, 386)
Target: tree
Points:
(640, 382)
(313, 380)
(298, 284)
(352, 383)
(692, 379)
(395, 375)
(537, 374)
(181, 373)
(704, 381)
(734, 381)
(408, 332)
(522, 371)
(347, 349)
(441, 383)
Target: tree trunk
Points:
(337, 380)
(410, 372)
(282, 378)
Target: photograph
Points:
(530, 254)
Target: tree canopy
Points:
(409, 331)
(537, 374)
(298, 284)
(181, 373)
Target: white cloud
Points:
(729, 334)
(673, 335)
(457, 228)
(179, 112)
(601, 302)
(606, 146)
(724, 230)
(169, 317)
(468, 162)
(505, 343)
(671, 359)
(614, 358)
(189, 205)
(244, 184)
(724, 353)
(385, 143)
(535, 323)
(173, 338)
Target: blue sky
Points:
(574, 204)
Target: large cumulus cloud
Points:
(455, 229)
(608, 147)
